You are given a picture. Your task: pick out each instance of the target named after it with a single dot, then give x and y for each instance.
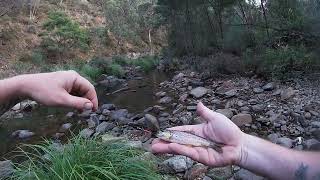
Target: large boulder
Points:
(199, 92)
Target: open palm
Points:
(217, 128)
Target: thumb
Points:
(79, 103)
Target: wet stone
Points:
(6, 169)
(178, 163)
(23, 134)
(65, 127)
(86, 133)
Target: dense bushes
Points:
(282, 63)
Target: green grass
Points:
(84, 159)
(147, 63)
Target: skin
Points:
(253, 153)
(63, 88)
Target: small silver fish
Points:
(186, 138)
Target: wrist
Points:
(244, 150)
(19, 86)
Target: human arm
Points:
(253, 153)
(63, 88)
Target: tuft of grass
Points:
(84, 159)
(115, 69)
(147, 63)
(91, 72)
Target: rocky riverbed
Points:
(283, 113)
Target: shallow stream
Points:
(45, 121)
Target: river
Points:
(46, 121)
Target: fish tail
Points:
(216, 147)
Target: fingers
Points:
(79, 103)
(87, 90)
(207, 114)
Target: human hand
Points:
(62, 88)
(217, 128)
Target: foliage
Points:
(147, 63)
(84, 159)
(258, 32)
(285, 62)
(62, 34)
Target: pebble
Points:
(199, 92)
(86, 133)
(284, 141)
(65, 127)
(23, 134)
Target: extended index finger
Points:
(207, 114)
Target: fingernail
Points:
(87, 106)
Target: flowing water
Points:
(46, 121)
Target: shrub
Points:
(84, 159)
(62, 35)
(147, 63)
(91, 72)
(115, 69)
(283, 62)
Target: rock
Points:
(108, 139)
(206, 178)
(220, 173)
(307, 115)
(108, 107)
(309, 143)
(226, 112)
(231, 93)
(244, 174)
(178, 163)
(116, 115)
(70, 114)
(86, 133)
(58, 135)
(191, 108)
(104, 127)
(111, 81)
(151, 122)
(273, 137)
(6, 169)
(316, 134)
(258, 108)
(135, 144)
(65, 127)
(179, 109)
(287, 93)
(178, 76)
(23, 134)
(314, 113)
(165, 100)
(85, 114)
(196, 171)
(284, 141)
(161, 94)
(102, 118)
(269, 87)
(124, 121)
(315, 124)
(242, 119)
(183, 97)
(258, 90)
(199, 92)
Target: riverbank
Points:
(283, 113)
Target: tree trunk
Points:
(265, 17)
(150, 42)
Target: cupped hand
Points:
(216, 128)
(62, 88)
